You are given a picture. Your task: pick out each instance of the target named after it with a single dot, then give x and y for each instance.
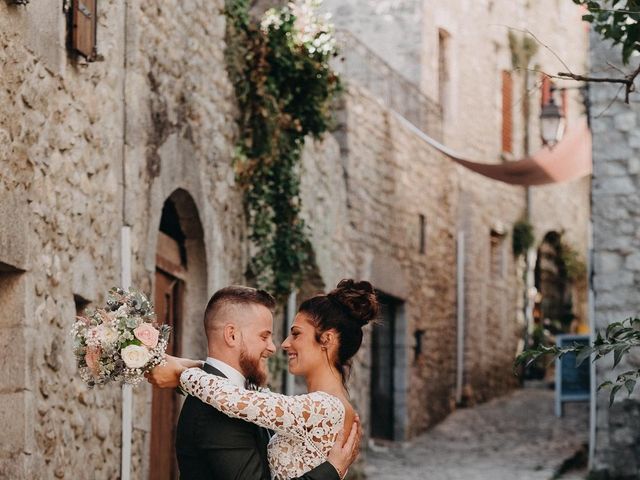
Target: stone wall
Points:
(616, 257)
(60, 131)
(363, 208)
(84, 150)
(87, 149)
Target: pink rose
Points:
(92, 357)
(147, 334)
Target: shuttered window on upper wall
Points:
(507, 112)
(545, 90)
(83, 31)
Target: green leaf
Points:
(606, 384)
(612, 395)
(630, 385)
(583, 354)
(618, 353)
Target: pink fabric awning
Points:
(568, 160)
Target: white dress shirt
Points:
(231, 373)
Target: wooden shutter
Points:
(545, 90)
(507, 112)
(83, 35)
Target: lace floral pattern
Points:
(306, 426)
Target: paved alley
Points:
(513, 437)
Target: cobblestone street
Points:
(513, 437)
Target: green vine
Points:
(523, 237)
(284, 87)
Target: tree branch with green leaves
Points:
(617, 21)
(619, 338)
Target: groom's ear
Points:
(231, 334)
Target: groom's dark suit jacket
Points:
(212, 446)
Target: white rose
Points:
(135, 356)
(108, 335)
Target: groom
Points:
(238, 323)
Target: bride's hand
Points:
(168, 375)
(341, 456)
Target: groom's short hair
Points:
(234, 295)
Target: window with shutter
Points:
(507, 112)
(83, 32)
(545, 90)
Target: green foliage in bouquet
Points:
(619, 338)
(284, 87)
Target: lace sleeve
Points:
(317, 414)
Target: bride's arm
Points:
(294, 415)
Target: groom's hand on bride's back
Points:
(168, 375)
(343, 454)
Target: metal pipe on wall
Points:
(127, 391)
(289, 383)
(125, 257)
(460, 261)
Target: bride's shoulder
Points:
(329, 401)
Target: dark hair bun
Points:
(358, 299)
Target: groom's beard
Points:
(251, 368)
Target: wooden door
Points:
(163, 464)
(382, 366)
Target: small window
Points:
(81, 305)
(507, 112)
(84, 15)
(423, 234)
(497, 257)
(444, 73)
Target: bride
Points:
(326, 334)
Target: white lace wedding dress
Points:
(305, 426)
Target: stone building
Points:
(119, 171)
(616, 258)
(460, 56)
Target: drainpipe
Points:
(460, 260)
(592, 335)
(127, 392)
(289, 383)
(125, 259)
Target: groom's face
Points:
(257, 345)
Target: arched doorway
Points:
(553, 311)
(180, 296)
(554, 305)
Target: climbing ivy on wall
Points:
(284, 87)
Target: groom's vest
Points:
(212, 446)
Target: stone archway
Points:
(180, 295)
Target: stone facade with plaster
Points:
(616, 258)
(406, 35)
(86, 149)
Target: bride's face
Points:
(302, 348)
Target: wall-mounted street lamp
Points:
(551, 121)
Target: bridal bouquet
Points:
(119, 342)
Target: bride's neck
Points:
(326, 379)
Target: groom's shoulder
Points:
(213, 370)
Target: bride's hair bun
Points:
(346, 309)
(358, 299)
